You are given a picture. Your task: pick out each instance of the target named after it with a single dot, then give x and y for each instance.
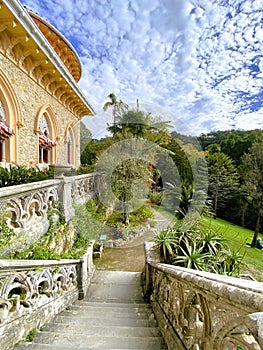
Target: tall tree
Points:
(235, 145)
(222, 175)
(117, 106)
(252, 175)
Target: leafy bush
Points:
(86, 224)
(85, 169)
(165, 242)
(137, 217)
(7, 234)
(16, 175)
(155, 197)
(96, 209)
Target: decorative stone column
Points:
(65, 197)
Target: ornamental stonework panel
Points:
(204, 317)
(25, 209)
(22, 292)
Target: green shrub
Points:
(6, 234)
(96, 209)
(31, 335)
(137, 217)
(155, 197)
(85, 169)
(165, 242)
(17, 175)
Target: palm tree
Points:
(118, 106)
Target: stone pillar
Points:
(65, 197)
(85, 271)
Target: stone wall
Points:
(200, 310)
(31, 99)
(33, 292)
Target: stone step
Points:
(118, 277)
(106, 313)
(112, 316)
(142, 312)
(66, 341)
(116, 286)
(115, 293)
(103, 331)
(106, 303)
(99, 321)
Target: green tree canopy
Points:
(223, 177)
(252, 175)
(118, 107)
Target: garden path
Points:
(131, 256)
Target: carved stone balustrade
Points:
(25, 206)
(29, 202)
(82, 188)
(25, 209)
(202, 311)
(33, 292)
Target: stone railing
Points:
(26, 206)
(33, 292)
(78, 189)
(200, 310)
(26, 203)
(82, 188)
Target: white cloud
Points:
(201, 60)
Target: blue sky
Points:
(197, 63)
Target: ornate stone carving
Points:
(204, 311)
(21, 292)
(28, 207)
(83, 188)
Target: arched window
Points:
(69, 148)
(45, 143)
(11, 120)
(5, 134)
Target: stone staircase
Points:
(112, 316)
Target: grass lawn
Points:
(238, 237)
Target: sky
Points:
(196, 63)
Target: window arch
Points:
(46, 127)
(10, 119)
(69, 148)
(70, 141)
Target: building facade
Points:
(41, 104)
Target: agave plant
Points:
(166, 241)
(191, 256)
(212, 242)
(229, 262)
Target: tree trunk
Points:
(215, 203)
(243, 211)
(257, 228)
(126, 220)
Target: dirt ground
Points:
(131, 256)
(122, 259)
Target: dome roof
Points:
(60, 44)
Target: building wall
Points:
(33, 100)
